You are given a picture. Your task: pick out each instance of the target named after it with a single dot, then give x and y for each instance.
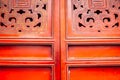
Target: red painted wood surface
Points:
(94, 73)
(90, 39)
(93, 51)
(26, 19)
(92, 18)
(25, 73)
(59, 39)
(29, 40)
(26, 51)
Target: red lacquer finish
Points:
(59, 39)
(26, 51)
(90, 39)
(29, 40)
(93, 51)
(25, 73)
(26, 18)
(94, 73)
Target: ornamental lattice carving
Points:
(96, 16)
(23, 18)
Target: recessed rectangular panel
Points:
(25, 18)
(26, 73)
(92, 51)
(26, 52)
(93, 19)
(94, 73)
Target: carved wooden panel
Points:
(25, 18)
(93, 18)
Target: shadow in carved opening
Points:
(80, 16)
(44, 7)
(107, 11)
(2, 15)
(116, 25)
(88, 11)
(98, 12)
(13, 18)
(88, 19)
(2, 24)
(21, 11)
(106, 19)
(38, 25)
(30, 11)
(28, 18)
(11, 10)
(74, 7)
(81, 25)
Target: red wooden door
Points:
(29, 40)
(90, 37)
(59, 39)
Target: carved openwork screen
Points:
(25, 18)
(93, 18)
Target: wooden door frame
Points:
(83, 41)
(54, 41)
